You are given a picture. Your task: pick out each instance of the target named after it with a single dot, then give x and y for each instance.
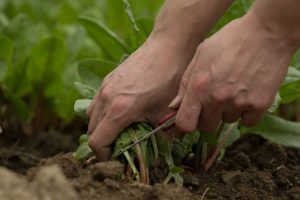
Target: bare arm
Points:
(282, 18)
(188, 22)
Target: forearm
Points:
(187, 22)
(281, 18)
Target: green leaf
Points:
(81, 107)
(182, 147)
(83, 138)
(47, 59)
(230, 133)
(276, 103)
(277, 130)
(165, 149)
(128, 135)
(83, 151)
(137, 34)
(21, 108)
(93, 71)
(85, 90)
(146, 24)
(290, 89)
(111, 44)
(176, 170)
(208, 138)
(6, 51)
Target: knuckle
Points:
(220, 96)
(104, 94)
(200, 84)
(240, 103)
(120, 105)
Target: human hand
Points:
(234, 74)
(137, 90)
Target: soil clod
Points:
(109, 169)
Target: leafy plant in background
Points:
(40, 44)
(200, 149)
(37, 64)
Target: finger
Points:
(210, 118)
(91, 107)
(96, 117)
(251, 118)
(175, 104)
(188, 114)
(103, 136)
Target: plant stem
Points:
(132, 165)
(221, 127)
(204, 193)
(128, 173)
(140, 158)
(204, 153)
(168, 178)
(220, 146)
(155, 148)
(143, 171)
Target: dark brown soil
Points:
(251, 169)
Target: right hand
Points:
(140, 89)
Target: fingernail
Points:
(175, 103)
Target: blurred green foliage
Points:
(44, 45)
(41, 43)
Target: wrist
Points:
(284, 37)
(173, 42)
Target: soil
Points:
(41, 167)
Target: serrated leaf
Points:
(81, 107)
(277, 130)
(105, 38)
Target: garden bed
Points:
(251, 169)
